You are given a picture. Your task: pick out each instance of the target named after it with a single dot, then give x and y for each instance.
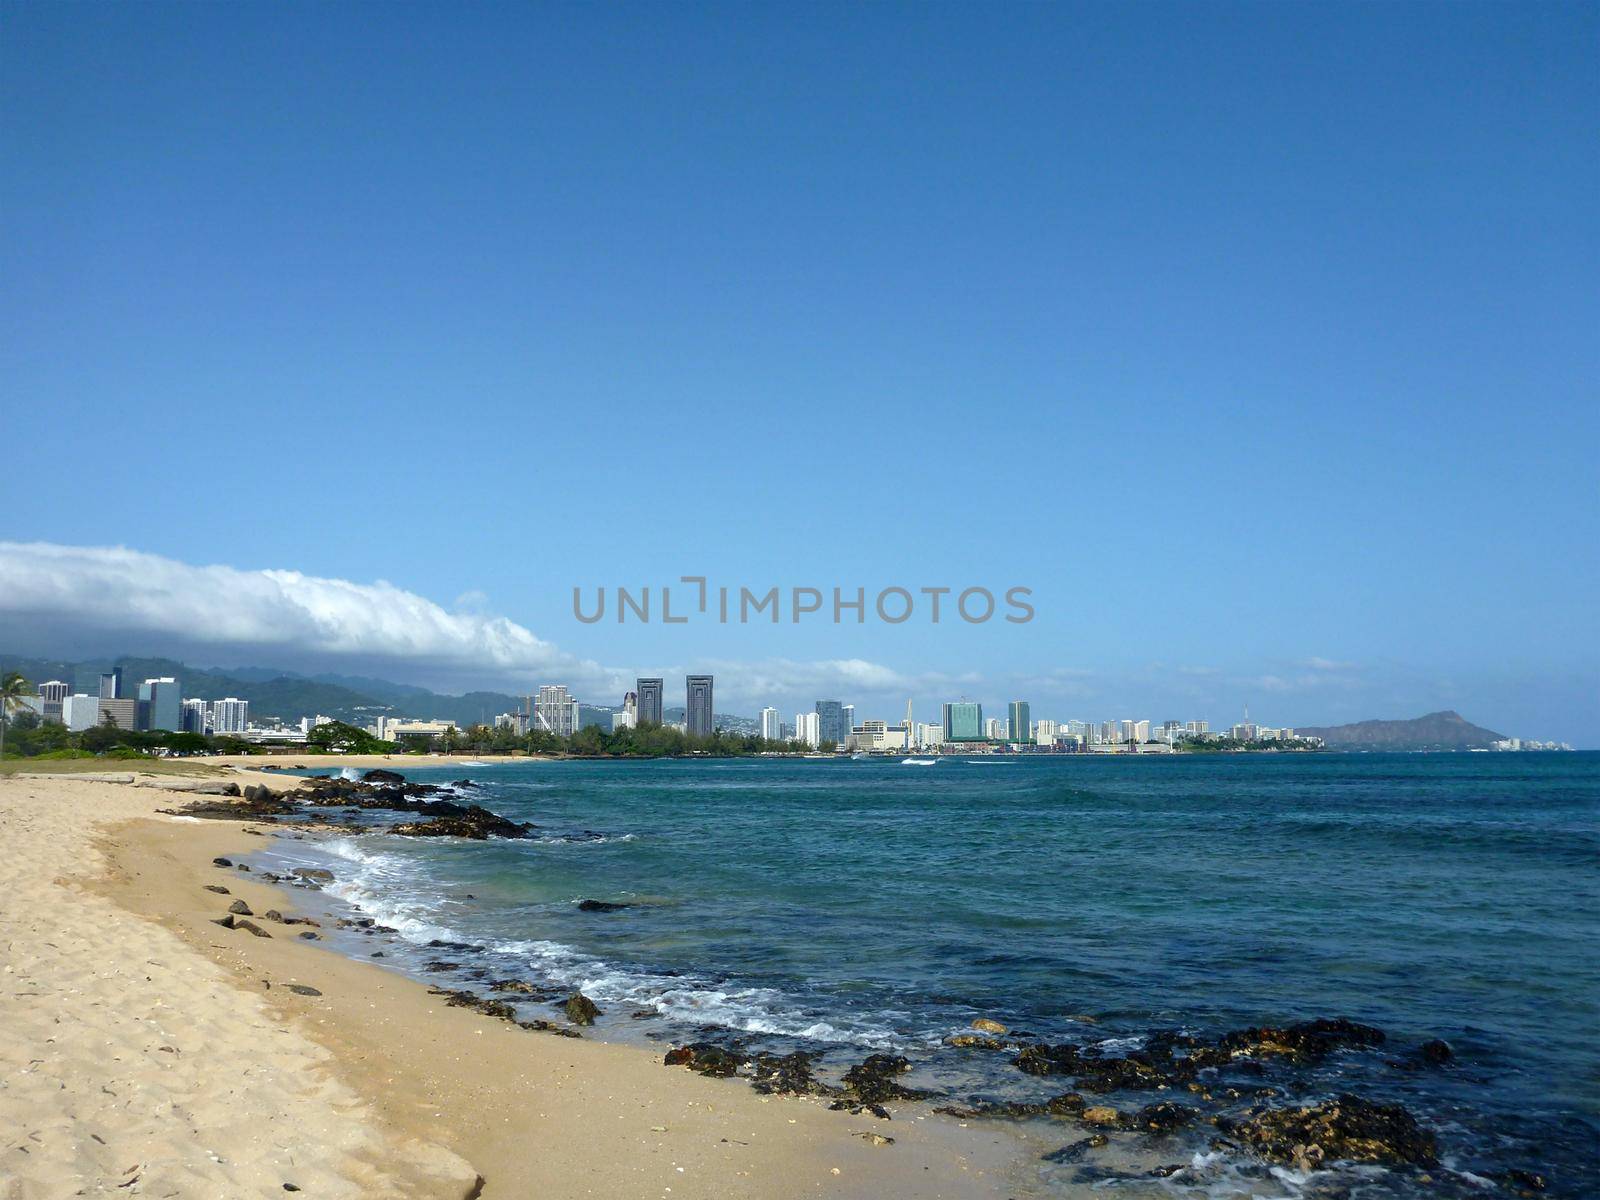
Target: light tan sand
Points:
(131, 1065)
(372, 1088)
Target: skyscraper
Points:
(54, 692)
(111, 684)
(554, 711)
(805, 729)
(195, 716)
(1021, 721)
(161, 704)
(771, 725)
(230, 715)
(963, 721)
(830, 722)
(697, 705)
(649, 700)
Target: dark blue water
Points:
(855, 906)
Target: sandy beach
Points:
(147, 1050)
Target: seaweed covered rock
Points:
(379, 775)
(1063, 1059)
(707, 1058)
(580, 1009)
(472, 822)
(1305, 1039)
(1346, 1128)
(786, 1075)
(872, 1081)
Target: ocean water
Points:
(851, 907)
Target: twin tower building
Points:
(697, 703)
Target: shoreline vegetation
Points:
(29, 739)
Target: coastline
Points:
(443, 1095)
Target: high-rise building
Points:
(628, 718)
(1044, 732)
(699, 716)
(122, 711)
(831, 725)
(847, 714)
(80, 712)
(1141, 732)
(771, 725)
(111, 684)
(161, 704)
(554, 711)
(807, 729)
(994, 729)
(195, 716)
(963, 721)
(230, 715)
(54, 692)
(1021, 721)
(649, 691)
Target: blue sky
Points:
(1258, 340)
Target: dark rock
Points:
(706, 1058)
(300, 989)
(522, 987)
(644, 1014)
(786, 1075)
(872, 1081)
(1161, 1118)
(473, 822)
(315, 874)
(440, 964)
(1523, 1183)
(489, 1008)
(240, 867)
(222, 862)
(1344, 1129)
(379, 775)
(259, 794)
(1436, 1052)
(857, 1108)
(548, 1027)
(217, 888)
(974, 1041)
(1304, 1040)
(240, 909)
(225, 922)
(309, 936)
(463, 783)
(1049, 1060)
(601, 906)
(580, 1009)
(1075, 1151)
(251, 927)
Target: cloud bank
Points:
(94, 599)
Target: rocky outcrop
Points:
(706, 1058)
(473, 822)
(1345, 1129)
(580, 1009)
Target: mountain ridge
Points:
(1442, 730)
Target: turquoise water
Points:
(848, 907)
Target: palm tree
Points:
(13, 687)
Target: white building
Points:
(196, 716)
(994, 729)
(1044, 732)
(54, 692)
(80, 712)
(929, 736)
(393, 728)
(231, 715)
(808, 729)
(623, 719)
(771, 725)
(554, 711)
(877, 735)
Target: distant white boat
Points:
(919, 762)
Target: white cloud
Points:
(88, 599)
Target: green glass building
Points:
(1021, 721)
(963, 722)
